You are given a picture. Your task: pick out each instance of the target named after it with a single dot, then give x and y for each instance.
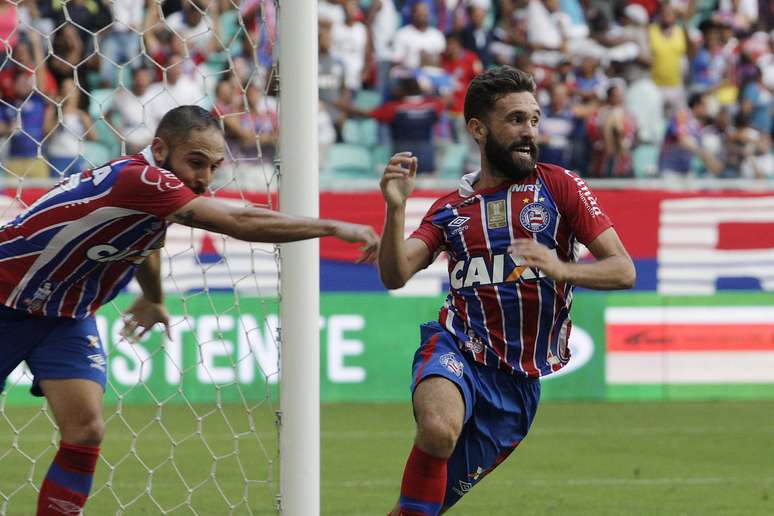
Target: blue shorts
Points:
(53, 347)
(499, 408)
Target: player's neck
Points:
(488, 179)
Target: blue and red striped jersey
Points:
(505, 314)
(78, 245)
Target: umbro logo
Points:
(458, 221)
(63, 506)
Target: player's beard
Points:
(167, 165)
(503, 162)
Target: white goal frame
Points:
(299, 416)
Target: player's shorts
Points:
(499, 408)
(53, 347)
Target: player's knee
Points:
(437, 434)
(86, 432)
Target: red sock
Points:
(424, 485)
(68, 481)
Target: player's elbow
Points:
(628, 277)
(391, 279)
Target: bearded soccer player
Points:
(79, 245)
(510, 232)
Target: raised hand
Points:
(397, 182)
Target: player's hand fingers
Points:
(400, 159)
(413, 167)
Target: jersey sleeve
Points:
(430, 234)
(150, 189)
(579, 206)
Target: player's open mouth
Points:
(526, 151)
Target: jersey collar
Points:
(466, 183)
(148, 155)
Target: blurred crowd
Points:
(628, 88)
(83, 81)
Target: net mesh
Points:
(190, 420)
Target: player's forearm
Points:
(611, 273)
(262, 225)
(149, 277)
(393, 265)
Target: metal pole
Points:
(300, 266)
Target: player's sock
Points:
(68, 481)
(424, 485)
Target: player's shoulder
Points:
(559, 177)
(137, 170)
(448, 199)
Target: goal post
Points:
(300, 299)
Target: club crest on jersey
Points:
(534, 217)
(495, 214)
(474, 345)
(450, 362)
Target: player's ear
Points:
(159, 149)
(477, 129)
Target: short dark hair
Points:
(492, 85)
(695, 99)
(178, 123)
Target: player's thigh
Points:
(75, 403)
(437, 397)
(503, 414)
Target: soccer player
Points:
(78, 245)
(510, 232)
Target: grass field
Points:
(580, 458)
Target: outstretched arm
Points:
(399, 259)
(148, 309)
(613, 268)
(262, 225)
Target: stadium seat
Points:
(361, 132)
(348, 160)
(96, 154)
(453, 160)
(645, 160)
(367, 99)
(380, 155)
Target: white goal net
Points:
(190, 420)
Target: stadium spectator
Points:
(612, 131)
(27, 118)
(121, 43)
(462, 65)
(68, 59)
(27, 57)
(755, 101)
(56, 333)
(548, 30)
(351, 45)
(199, 32)
(411, 117)
(669, 46)
(418, 37)
(182, 83)
(561, 122)
(64, 148)
(682, 141)
(331, 81)
(476, 37)
(382, 22)
(136, 122)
